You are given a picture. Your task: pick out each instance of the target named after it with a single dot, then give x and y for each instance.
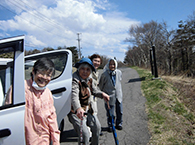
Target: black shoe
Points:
(119, 127)
(109, 129)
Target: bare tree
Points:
(175, 49)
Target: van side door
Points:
(61, 83)
(12, 95)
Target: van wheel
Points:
(61, 127)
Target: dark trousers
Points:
(118, 107)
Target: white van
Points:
(13, 71)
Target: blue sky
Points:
(103, 24)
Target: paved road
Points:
(135, 131)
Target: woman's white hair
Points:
(85, 65)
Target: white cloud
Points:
(56, 23)
(33, 40)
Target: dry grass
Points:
(177, 128)
(170, 108)
(73, 69)
(185, 89)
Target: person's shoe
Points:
(109, 129)
(119, 127)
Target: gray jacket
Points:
(106, 85)
(75, 91)
(93, 101)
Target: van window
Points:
(6, 77)
(59, 60)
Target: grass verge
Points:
(170, 122)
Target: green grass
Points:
(156, 117)
(189, 117)
(167, 117)
(179, 109)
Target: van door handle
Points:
(60, 90)
(4, 132)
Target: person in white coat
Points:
(110, 83)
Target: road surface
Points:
(135, 130)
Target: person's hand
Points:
(106, 97)
(80, 113)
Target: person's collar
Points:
(112, 72)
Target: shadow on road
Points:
(68, 136)
(71, 135)
(136, 80)
(104, 129)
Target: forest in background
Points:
(174, 49)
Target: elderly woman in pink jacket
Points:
(40, 117)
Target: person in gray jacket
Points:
(110, 83)
(82, 90)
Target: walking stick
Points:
(81, 132)
(112, 125)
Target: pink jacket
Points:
(40, 117)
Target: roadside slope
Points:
(171, 121)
